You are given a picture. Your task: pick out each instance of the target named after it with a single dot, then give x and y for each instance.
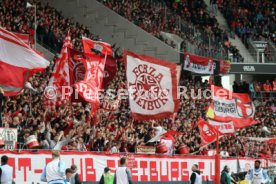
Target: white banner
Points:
(9, 135)
(153, 86)
(223, 127)
(28, 166)
(198, 68)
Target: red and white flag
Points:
(24, 37)
(59, 91)
(152, 86)
(208, 133)
(18, 62)
(223, 127)
(89, 87)
(198, 64)
(228, 106)
(91, 46)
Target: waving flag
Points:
(228, 106)
(91, 46)
(207, 132)
(90, 86)
(153, 86)
(58, 91)
(223, 127)
(17, 63)
(24, 37)
(198, 64)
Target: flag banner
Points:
(77, 72)
(18, 62)
(24, 37)
(60, 83)
(89, 87)
(207, 132)
(198, 64)
(223, 127)
(178, 73)
(228, 106)
(152, 85)
(94, 47)
(109, 70)
(260, 139)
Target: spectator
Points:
(75, 179)
(195, 177)
(5, 171)
(107, 177)
(68, 175)
(122, 174)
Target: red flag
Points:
(18, 62)
(90, 86)
(109, 70)
(58, 91)
(77, 72)
(153, 86)
(207, 132)
(228, 106)
(198, 64)
(92, 47)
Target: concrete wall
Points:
(113, 28)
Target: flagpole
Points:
(217, 162)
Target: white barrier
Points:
(28, 165)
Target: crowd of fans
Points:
(251, 19)
(71, 127)
(188, 19)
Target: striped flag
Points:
(58, 91)
(17, 63)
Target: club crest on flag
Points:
(244, 110)
(79, 72)
(98, 47)
(207, 131)
(152, 85)
(147, 87)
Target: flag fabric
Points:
(223, 127)
(260, 139)
(207, 132)
(198, 64)
(24, 37)
(92, 47)
(89, 88)
(152, 84)
(109, 70)
(58, 91)
(18, 62)
(77, 72)
(228, 106)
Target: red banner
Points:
(198, 64)
(109, 70)
(207, 132)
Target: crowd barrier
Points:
(28, 165)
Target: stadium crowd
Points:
(251, 19)
(70, 127)
(196, 25)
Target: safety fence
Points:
(28, 165)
